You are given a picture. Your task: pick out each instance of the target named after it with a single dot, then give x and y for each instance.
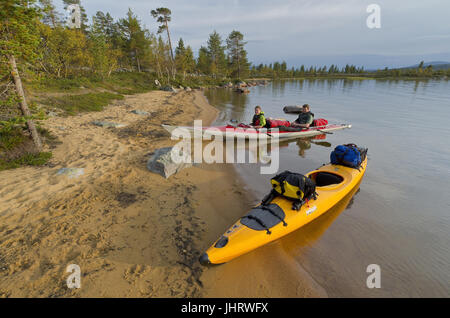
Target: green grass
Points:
(10, 139)
(16, 149)
(73, 104)
(29, 159)
(49, 84)
(197, 81)
(126, 83)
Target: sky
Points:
(310, 32)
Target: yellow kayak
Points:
(333, 183)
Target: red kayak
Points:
(248, 132)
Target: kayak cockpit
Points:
(326, 178)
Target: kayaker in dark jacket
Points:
(259, 120)
(305, 119)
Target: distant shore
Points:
(356, 77)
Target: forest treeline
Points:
(39, 48)
(281, 70)
(103, 45)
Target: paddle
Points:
(325, 132)
(322, 143)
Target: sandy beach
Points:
(132, 232)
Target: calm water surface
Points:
(400, 216)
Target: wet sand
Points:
(132, 232)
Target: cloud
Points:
(283, 29)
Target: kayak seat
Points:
(260, 218)
(324, 179)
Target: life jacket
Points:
(302, 119)
(257, 119)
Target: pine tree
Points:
(136, 41)
(237, 56)
(216, 53)
(203, 61)
(181, 58)
(104, 56)
(302, 70)
(162, 16)
(49, 14)
(161, 56)
(190, 61)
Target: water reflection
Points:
(398, 200)
(310, 233)
(305, 144)
(258, 150)
(278, 88)
(232, 105)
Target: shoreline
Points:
(132, 232)
(358, 77)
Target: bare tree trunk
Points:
(168, 75)
(158, 70)
(23, 103)
(174, 70)
(138, 63)
(170, 42)
(239, 67)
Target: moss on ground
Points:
(73, 104)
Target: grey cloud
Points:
(292, 30)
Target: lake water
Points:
(399, 218)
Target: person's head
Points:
(258, 110)
(305, 108)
